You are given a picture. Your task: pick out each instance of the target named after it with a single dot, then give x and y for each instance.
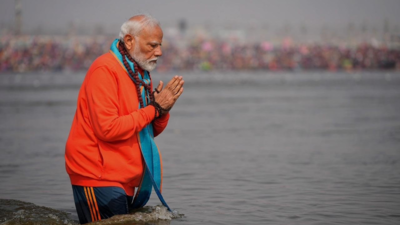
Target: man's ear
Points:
(129, 41)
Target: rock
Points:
(14, 212)
(157, 215)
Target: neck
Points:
(140, 70)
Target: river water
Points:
(240, 148)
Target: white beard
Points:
(148, 65)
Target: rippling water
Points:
(240, 148)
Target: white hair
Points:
(134, 27)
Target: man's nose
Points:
(158, 52)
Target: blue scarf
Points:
(153, 174)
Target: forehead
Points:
(151, 34)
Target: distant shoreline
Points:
(76, 53)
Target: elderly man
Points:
(110, 154)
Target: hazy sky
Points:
(57, 14)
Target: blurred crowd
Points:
(47, 53)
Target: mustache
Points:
(153, 59)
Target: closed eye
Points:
(154, 45)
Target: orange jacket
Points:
(102, 148)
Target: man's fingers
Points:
(160, 85)
(179, 86)
(174, 82)
(171, 82)
(179, 93)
